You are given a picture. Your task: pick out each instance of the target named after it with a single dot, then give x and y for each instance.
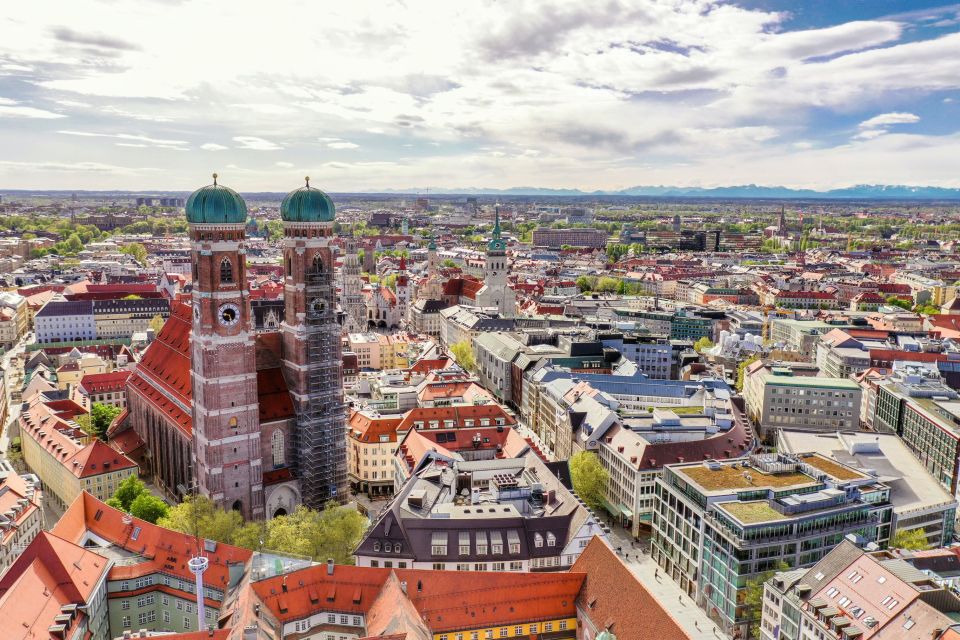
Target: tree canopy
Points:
(589, 478)
(333, 532)
(910, 539)
(462, 352)
(133, 497)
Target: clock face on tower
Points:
(228, 315)
(316, 305)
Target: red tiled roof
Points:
(458, 414)
(161, 550)
(104, 382)
(443, 599)
(430, 364)
(275, 402)
(50, 573)
(613, 598)
(366, 428)
(96, 458)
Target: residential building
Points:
(123, 317)
(106, 388)
(65, 459)
(717, 524)
(14, 318)
(55, 589)
(854, 594)
(65, 321)
(148, 583)
(506, 514)
(363, 602)
(21, 506)
(372, 442)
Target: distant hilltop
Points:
(856, 192)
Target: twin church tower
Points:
(231, 443)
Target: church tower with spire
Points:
(403, 290)
(351, 298)
(226, 418)
(495, 269)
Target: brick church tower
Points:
(226, 423)
(312, 358)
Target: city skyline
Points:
(479, 95)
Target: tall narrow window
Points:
(318, 263)
(226, 270)
(278, 452)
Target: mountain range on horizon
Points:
(748, 191)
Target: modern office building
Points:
(717, 524)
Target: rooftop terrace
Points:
(752, 512)
(732, 478)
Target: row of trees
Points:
(608, 284)
(333, 532)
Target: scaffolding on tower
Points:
(320, 443)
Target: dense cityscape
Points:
(633, 320)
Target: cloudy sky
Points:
(374, 94)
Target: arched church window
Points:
(279, 455)
(226, 271)
(289, 267)
(318, 263)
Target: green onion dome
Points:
(307, 204)
(216, 204)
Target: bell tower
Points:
(312, 359)
(226, 421)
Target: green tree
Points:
(390, 282)
(741, 370)
(156, 323)
(910, 539)
(448, 263)
(462, 352)
(606, 284)
(101, 415)
(135, 250)
(589, 478)
(702, 343)
(753, 598)
(127, 492)
(586, 284)
(149, 507)
(198, 516)
(333, 532)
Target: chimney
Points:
(403, 586)
(126, 634)
(329, 566)
(283, 585)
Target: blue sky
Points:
(379, 94)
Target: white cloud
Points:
(885, 119)
(126, 136)
(285, 165)
(256, 144)
(12, 109)
(620, 91)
